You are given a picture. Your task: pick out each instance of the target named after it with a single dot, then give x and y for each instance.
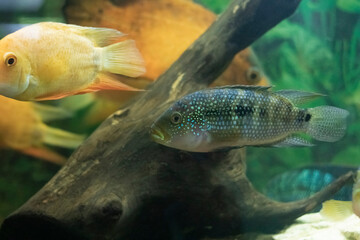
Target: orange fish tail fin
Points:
(61, 138)
(45, 154)
(50, 113)
(123, 58)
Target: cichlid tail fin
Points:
(50, 113)
(335, 210)
(327, 123)
(61, 138)
(123, 58)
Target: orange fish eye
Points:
(10, 59)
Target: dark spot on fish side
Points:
(242, 111)
(262, 112)
(307, 117)
(301, 116)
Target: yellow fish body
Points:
(22, 128)
(50, 60)
(336, 210)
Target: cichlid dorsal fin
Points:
(293, 141)
(299, 97)
(245, 87)
(100, 36)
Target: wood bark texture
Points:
(120, 185)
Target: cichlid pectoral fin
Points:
(299, 97)
(335, 210)
(293, 141)
(44, 154)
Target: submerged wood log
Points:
(120, 185)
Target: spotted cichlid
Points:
(237, 116)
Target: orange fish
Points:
(22, 128)
(50, 60)
(163, 29)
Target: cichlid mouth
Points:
(158, 135)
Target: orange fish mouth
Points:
(158, 135)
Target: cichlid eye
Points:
(10, 59)
(176, 118)
(253, 75)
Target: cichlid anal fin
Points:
(299, 97)
(45, 154)
(54, 96)
(293, 141)
(108, 81)
(335, 210)
(123, 58)
(226, 149)
(245, 87)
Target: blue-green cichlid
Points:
(237, 116)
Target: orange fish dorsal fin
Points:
(100, 36)
(45, 154)
(108, 82)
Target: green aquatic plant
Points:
(217, 6)
(352, 6)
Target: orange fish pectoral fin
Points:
(108, 82)
(45, 154)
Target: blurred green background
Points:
(317, 49)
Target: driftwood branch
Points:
(120, 185)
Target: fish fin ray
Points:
(61, 138)
(50, 113)
(299, 97)
(226, 149)
(335, 210)
(100, 36)
(123, 58)
(108, 81)
(54, 97)
(327, 123)
(245, 87)
(44, 154)
(293, 141)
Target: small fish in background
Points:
(238, 116)
(22, 128)
(335, 210)
(301, 183)
(48, 60)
